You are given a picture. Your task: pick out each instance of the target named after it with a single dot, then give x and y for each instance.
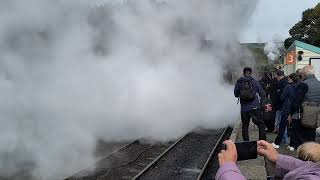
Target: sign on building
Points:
(291, 58)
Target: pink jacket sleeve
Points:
(229, 171)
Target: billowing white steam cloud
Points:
(72, 72)
(273, 48)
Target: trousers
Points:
(285, 139)
(300, 134)
(257, 119)
(282, 127)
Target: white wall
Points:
(288, 69)
(316, 64)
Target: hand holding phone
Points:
(229, 154)
(246, 150)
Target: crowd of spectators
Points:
(288, 106)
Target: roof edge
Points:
(304, 45)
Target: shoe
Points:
(318, 131)
(275, 146)
(290, 148)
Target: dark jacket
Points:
(288, 96)
(265, 83)
(255, 104)
(273, 92)
(313, 93)
(301, 91)
(280, 87)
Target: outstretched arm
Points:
(285, 164)
(261, 92)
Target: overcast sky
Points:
(275, 17)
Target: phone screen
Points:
(247, 150)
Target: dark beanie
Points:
(247, 69)
(280, 72)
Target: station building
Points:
(300, 54)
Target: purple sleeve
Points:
(287, 163)
(229, 171)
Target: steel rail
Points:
(159, 157)
(211, 154)
(106, 156)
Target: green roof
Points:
(304, 46)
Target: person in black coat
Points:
(297, 131)
(278, 103)
(287, 97)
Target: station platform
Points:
(259, 168)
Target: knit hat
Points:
(280, 72)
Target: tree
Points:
(306, 30)
(288, 42)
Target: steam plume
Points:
(273, 48)
(75, 71)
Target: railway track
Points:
(189, 158)
(24, 172)
(193, 156)
(211, 166)
(123, 163)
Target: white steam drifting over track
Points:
(72, 73)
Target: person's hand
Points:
(266, 149)
(229, 155)
(268, 107)
(289, 119)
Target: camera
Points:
(246, 150)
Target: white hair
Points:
(308, 70)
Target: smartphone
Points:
(246, 150)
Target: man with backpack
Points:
(247, 90)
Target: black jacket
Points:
(266, 83)
(302, 89)
(280, 87)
